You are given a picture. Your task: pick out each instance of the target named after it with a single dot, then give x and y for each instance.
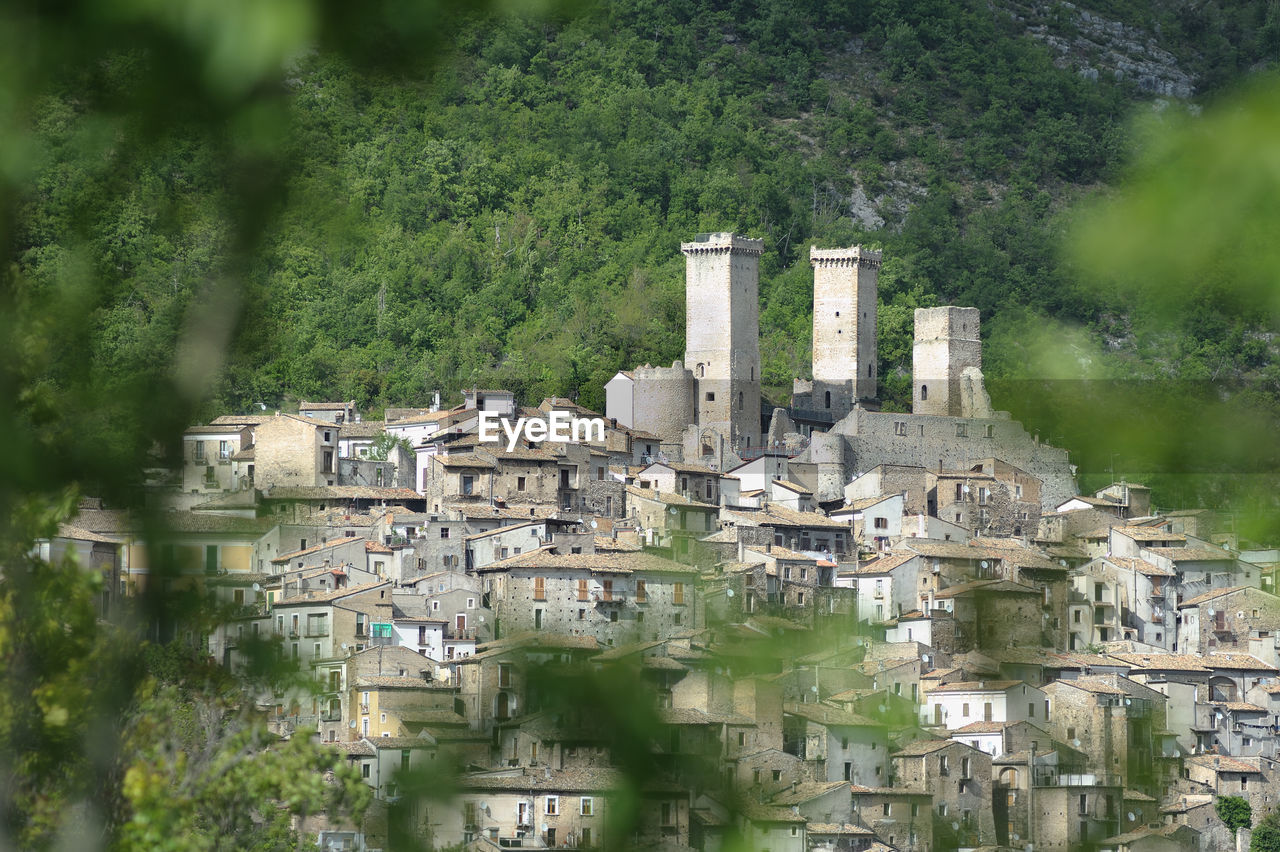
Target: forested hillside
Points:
(510, 216)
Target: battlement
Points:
(852, 256)
(722, 241)
(676, 372)
(948, 322)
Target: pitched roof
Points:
(1162, 662)
(607, 562)
(826, 715)
(1141, 566)
(328, 595)
(669, 498)
(328, 545)
(975, 686)
(339, 492)
(922, 747)
(1210, 595)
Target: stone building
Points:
(717, 386)
(615, 598)
(959, 778)
(946, 345)
(844, 331)
(294, 451)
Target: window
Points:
(964, 710)
(924, 394)
(537, 619)
(884, 809)
(444, 532)
(504, 675)
(677, 593)
(539, 588)
(641, 592)
(915, 809)
(468, 483)
(553, 806)
(962, 430)
(587, 806)
(900, 428)
(882, 523)
(1031, 710)
(582, 591)
(711, 397)
(198, 451)
(777, 775)
(740, 400)
(519, 483)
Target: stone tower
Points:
(722, 332)
(844, 327)
(946, 343)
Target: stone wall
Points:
(844, 327)
(946, 343)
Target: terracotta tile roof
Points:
(392, 682)
(1192, 553)
(1150, 534)
(770, 813)
(826, 715)
(339, 492)
(1241, 707)
(791, 486)
(328, 545)
(1090, 684)
(359, 748)
(806, 791)
(581, 780)
(463, 460)
(1162, 662)
(982, 728)
(922, 747)
(503, 529)
(1221, 660)
(1223, 763)
(781, 516)
(976, 686)
(610, 563)
(1141, 566)
(838, 828)
(328, 595)
(884, 564)
(669, 498)
(374, 547)
(1211, 595)
(779, 552)
(865, 503)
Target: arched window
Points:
(924, 392)
(828, 399)
(702, 371)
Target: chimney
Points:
(768, 547)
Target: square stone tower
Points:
(946, 342)
(845, 286)
(722, 332)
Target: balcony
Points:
(1048, 777)
(609, 598)
(333, 714)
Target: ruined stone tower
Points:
(722, 334)
(844, 327)
(946, 343)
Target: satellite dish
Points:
(544, 828)
(813, 688)
(984, 564)
(1076, 742)
(352, 724)
(257, 588)
(594, 525)
(673, 510)
(1210, 612)
(481, 618)
(1131, 816)
(1240, 614)
(966, 489)
(1014, 837)
(955, 826)
(344, 646)
(729, 592)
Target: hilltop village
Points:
(823, 627)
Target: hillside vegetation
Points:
(512, 218)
